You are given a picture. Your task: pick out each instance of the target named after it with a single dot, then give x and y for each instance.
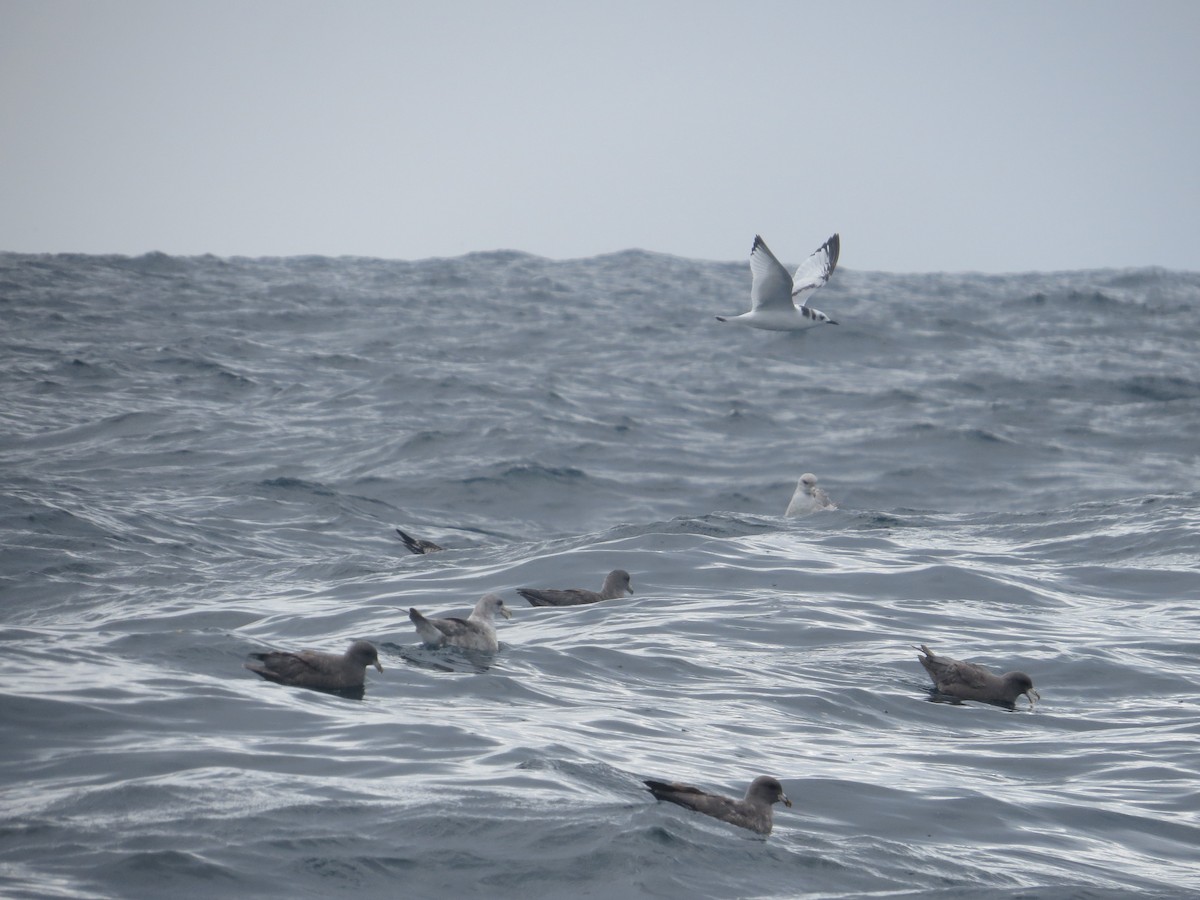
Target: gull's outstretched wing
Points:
(772, 287)
(814, 271)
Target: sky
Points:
(934, 136)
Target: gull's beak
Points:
(1030, 694)
(630, 589)
(786, 801)
(506, 612)
(379, 665)
(831, 322)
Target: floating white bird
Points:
(774, 295)
(808, 498)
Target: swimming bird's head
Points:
(618, 582)
(365, 654)
(494, 603)
(768, 790)
(1019, 683)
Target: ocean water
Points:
(204, 457)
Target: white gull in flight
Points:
(775, 296)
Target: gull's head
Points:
(808, 481)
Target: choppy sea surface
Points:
(204, 457)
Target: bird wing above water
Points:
(771, 287)
(417, 545)
(815, 271)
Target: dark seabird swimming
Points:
(616, 584)
(416, 545)
(753, 812)
(318, 671)
(971, 681)
(476, 632)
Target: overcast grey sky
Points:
(933, 135)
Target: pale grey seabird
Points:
(476, 632)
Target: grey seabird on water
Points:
(773, 293)
(416, 545)
(753, 812)
(971, 681)
(318, 671)
(616, 584)
(476, 632)
(808, 498)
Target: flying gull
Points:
(476, 632)
(808, 498)
(754, 812)
(616, 584)
(971, 681)
(319, 671)
(773, 293)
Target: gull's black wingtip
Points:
(833, 247)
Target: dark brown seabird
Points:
(616, 584)
(753, 812)
(971, 681)
(318, 671)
